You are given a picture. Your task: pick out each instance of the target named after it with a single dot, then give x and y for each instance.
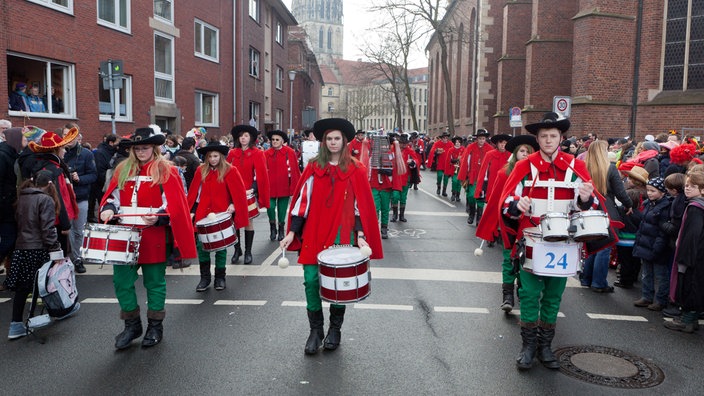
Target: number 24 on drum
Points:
(556, 259)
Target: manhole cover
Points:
(608, 366)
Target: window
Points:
(254, 114)
(254, 9)
(114, 14)
(279, 33)
(164, 9)
(123, 101)
(206, 109)
(279, 118)
(59, 5)
(279, 78)
(329, 38)
(684, 46)
(55, 83)
(163, 67)
(253, 62)
(206, 41)
(329, 91)
(320, 38)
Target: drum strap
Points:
(551, 184)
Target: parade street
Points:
(432, 325)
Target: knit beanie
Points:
(13, 137)
(658, 183)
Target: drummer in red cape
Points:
(250, 162)
(282, 166)
(546, 181)
(493, 162)
(332, 205)
(216, 193)
(148, 187)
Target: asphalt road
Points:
(430, 326)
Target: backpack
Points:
(56, 285)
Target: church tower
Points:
(322, 21)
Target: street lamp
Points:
(291, 76)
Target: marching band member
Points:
(384, 181)
(493, 162)
(470, 164)
(452, 165)
(488, 227)
(548, 180)
(410, 178)
(437, 159)
(282, 164)
(217, 187)
(146, 184)
(332, 205)
(250, 162)
(358, 144)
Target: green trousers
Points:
(277, 206)
(311, 282)
(442, 178)
(456, 185)
(204, 257)
(399, 196)
(507, 268)
(153, 278)
(540, 297)
(382, 202)
(470, 196)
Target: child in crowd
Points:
(687, 272)
(674, 183)
(651, 247)
(629, 266)
(37, 206)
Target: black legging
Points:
(18, 304)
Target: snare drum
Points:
(344, 275)
(218, 233)
(590, 225)
(555, 259)
(110, 244)
(554, 226)
(252, 205)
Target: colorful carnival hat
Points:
(32, 133)
(213, 145)
(145, 136)
(333, 124)
(278, 132)
(50, 141)
(550, 120)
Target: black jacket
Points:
(36, 217)
(651, 241)
(690, 259)
(8, 183)
(80, 160)
(103, 154)
(192, 164)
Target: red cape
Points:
(216, 197)
(251, 163)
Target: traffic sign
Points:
(515, 120)
(562, 105)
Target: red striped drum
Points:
(344, 275)
(110, 244)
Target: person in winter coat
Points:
(651, 246)
(687, 287)
(470, 165)
(437, 158)
(102, 156)
(9, 152)
(282, 164)
(452, 166)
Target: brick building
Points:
(630, 67)
(212, 63)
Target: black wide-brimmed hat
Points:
(520, 140)
(144, 136)
(482, 132)
(214, 145)
(502, 137)
(550, 120)
(446, 133)
(278, 132)
(361, 131)
(456, 139)
(404, 138)
(238, 130)
(333, 124)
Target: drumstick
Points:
(283, 261)
(478, 251)
(137, 214)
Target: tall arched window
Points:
(684, 46)
(329, 38)
(320, 38)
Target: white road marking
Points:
(240, 302)
(2, 300)
(300, 304)
(99, 301)
(628, 318)
(436, 214)
(461, 310)
(518, 312)
(433, 196)
(183, 301)
(385, 306)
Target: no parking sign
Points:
(562, 105)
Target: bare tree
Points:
(361, 103)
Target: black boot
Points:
(530, 345)
(444, 190)
(472, 212)
(507, 290)
(546, 332)
(384, 231)
(238, 249)
(394, 213)
(133, 329)
(155, 329)
(248, 238)
(219, 279)
(315, 339)
(480, 211)
(402, 213)
(272, 228)
(282, 231)
(438, 192)
(332, 340)
(205, 277)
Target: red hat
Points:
(51, 141)
(683, 153)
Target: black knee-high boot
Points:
(155, 328)
(315, 338)
(272, 229)
(546, 332)
(529, 332)
(238, 249)
(205, 276)
(282, 231)
(402, 214)
(394, 213)
(220, 279)
(248, 238)
(337, 316)
(133, 329)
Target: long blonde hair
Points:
(222, 168)
(159, 169)
(598, 165)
